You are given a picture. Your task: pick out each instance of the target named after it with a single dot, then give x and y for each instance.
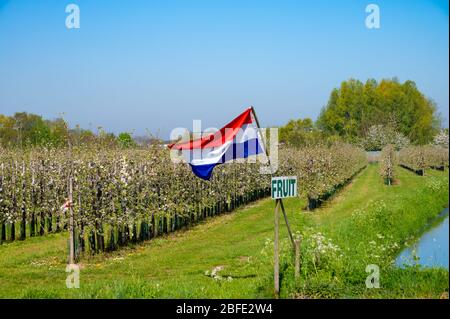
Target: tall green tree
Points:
(355, 106)
(303, 132)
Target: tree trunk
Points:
(153, 226)
(119, 235)
(23, 224)
(49, 223)
(81, 238)
(58, 228)
(42, 224)
(3, 234)
(32, 225)
(165, 225)
(126, 234)
(92, 241)
(112, 243)
(100, 238)
(13, 232)
(134, 235)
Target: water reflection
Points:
(432, 248)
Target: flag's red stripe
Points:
(225, 134)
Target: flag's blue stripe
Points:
(235, 151)
(203, 171)
(242, 150)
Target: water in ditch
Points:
(432, 249)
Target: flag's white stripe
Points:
(207, 155)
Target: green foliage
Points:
(25, 129)
(28, 130)
(126, 140)
(81, 136)
(300, 133)
(354, 107)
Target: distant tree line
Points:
(372, 115)
(23, 130)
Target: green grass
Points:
(174, 266)
(170, 267)
(370, 223)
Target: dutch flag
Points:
(238, 139)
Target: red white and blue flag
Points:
(238, 139)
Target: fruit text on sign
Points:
(284, 186)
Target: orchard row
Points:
(123, 196)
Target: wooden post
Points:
(71, 225)
(276, 251)
(70, 201)
(297, 258)
(287, 224)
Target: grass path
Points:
(174, 266)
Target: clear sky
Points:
(156, 65)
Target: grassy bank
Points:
(369, 224)
(366, 223)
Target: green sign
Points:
(284, 186)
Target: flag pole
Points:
(278, 205)
(264, 142)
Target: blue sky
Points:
(156, 65)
